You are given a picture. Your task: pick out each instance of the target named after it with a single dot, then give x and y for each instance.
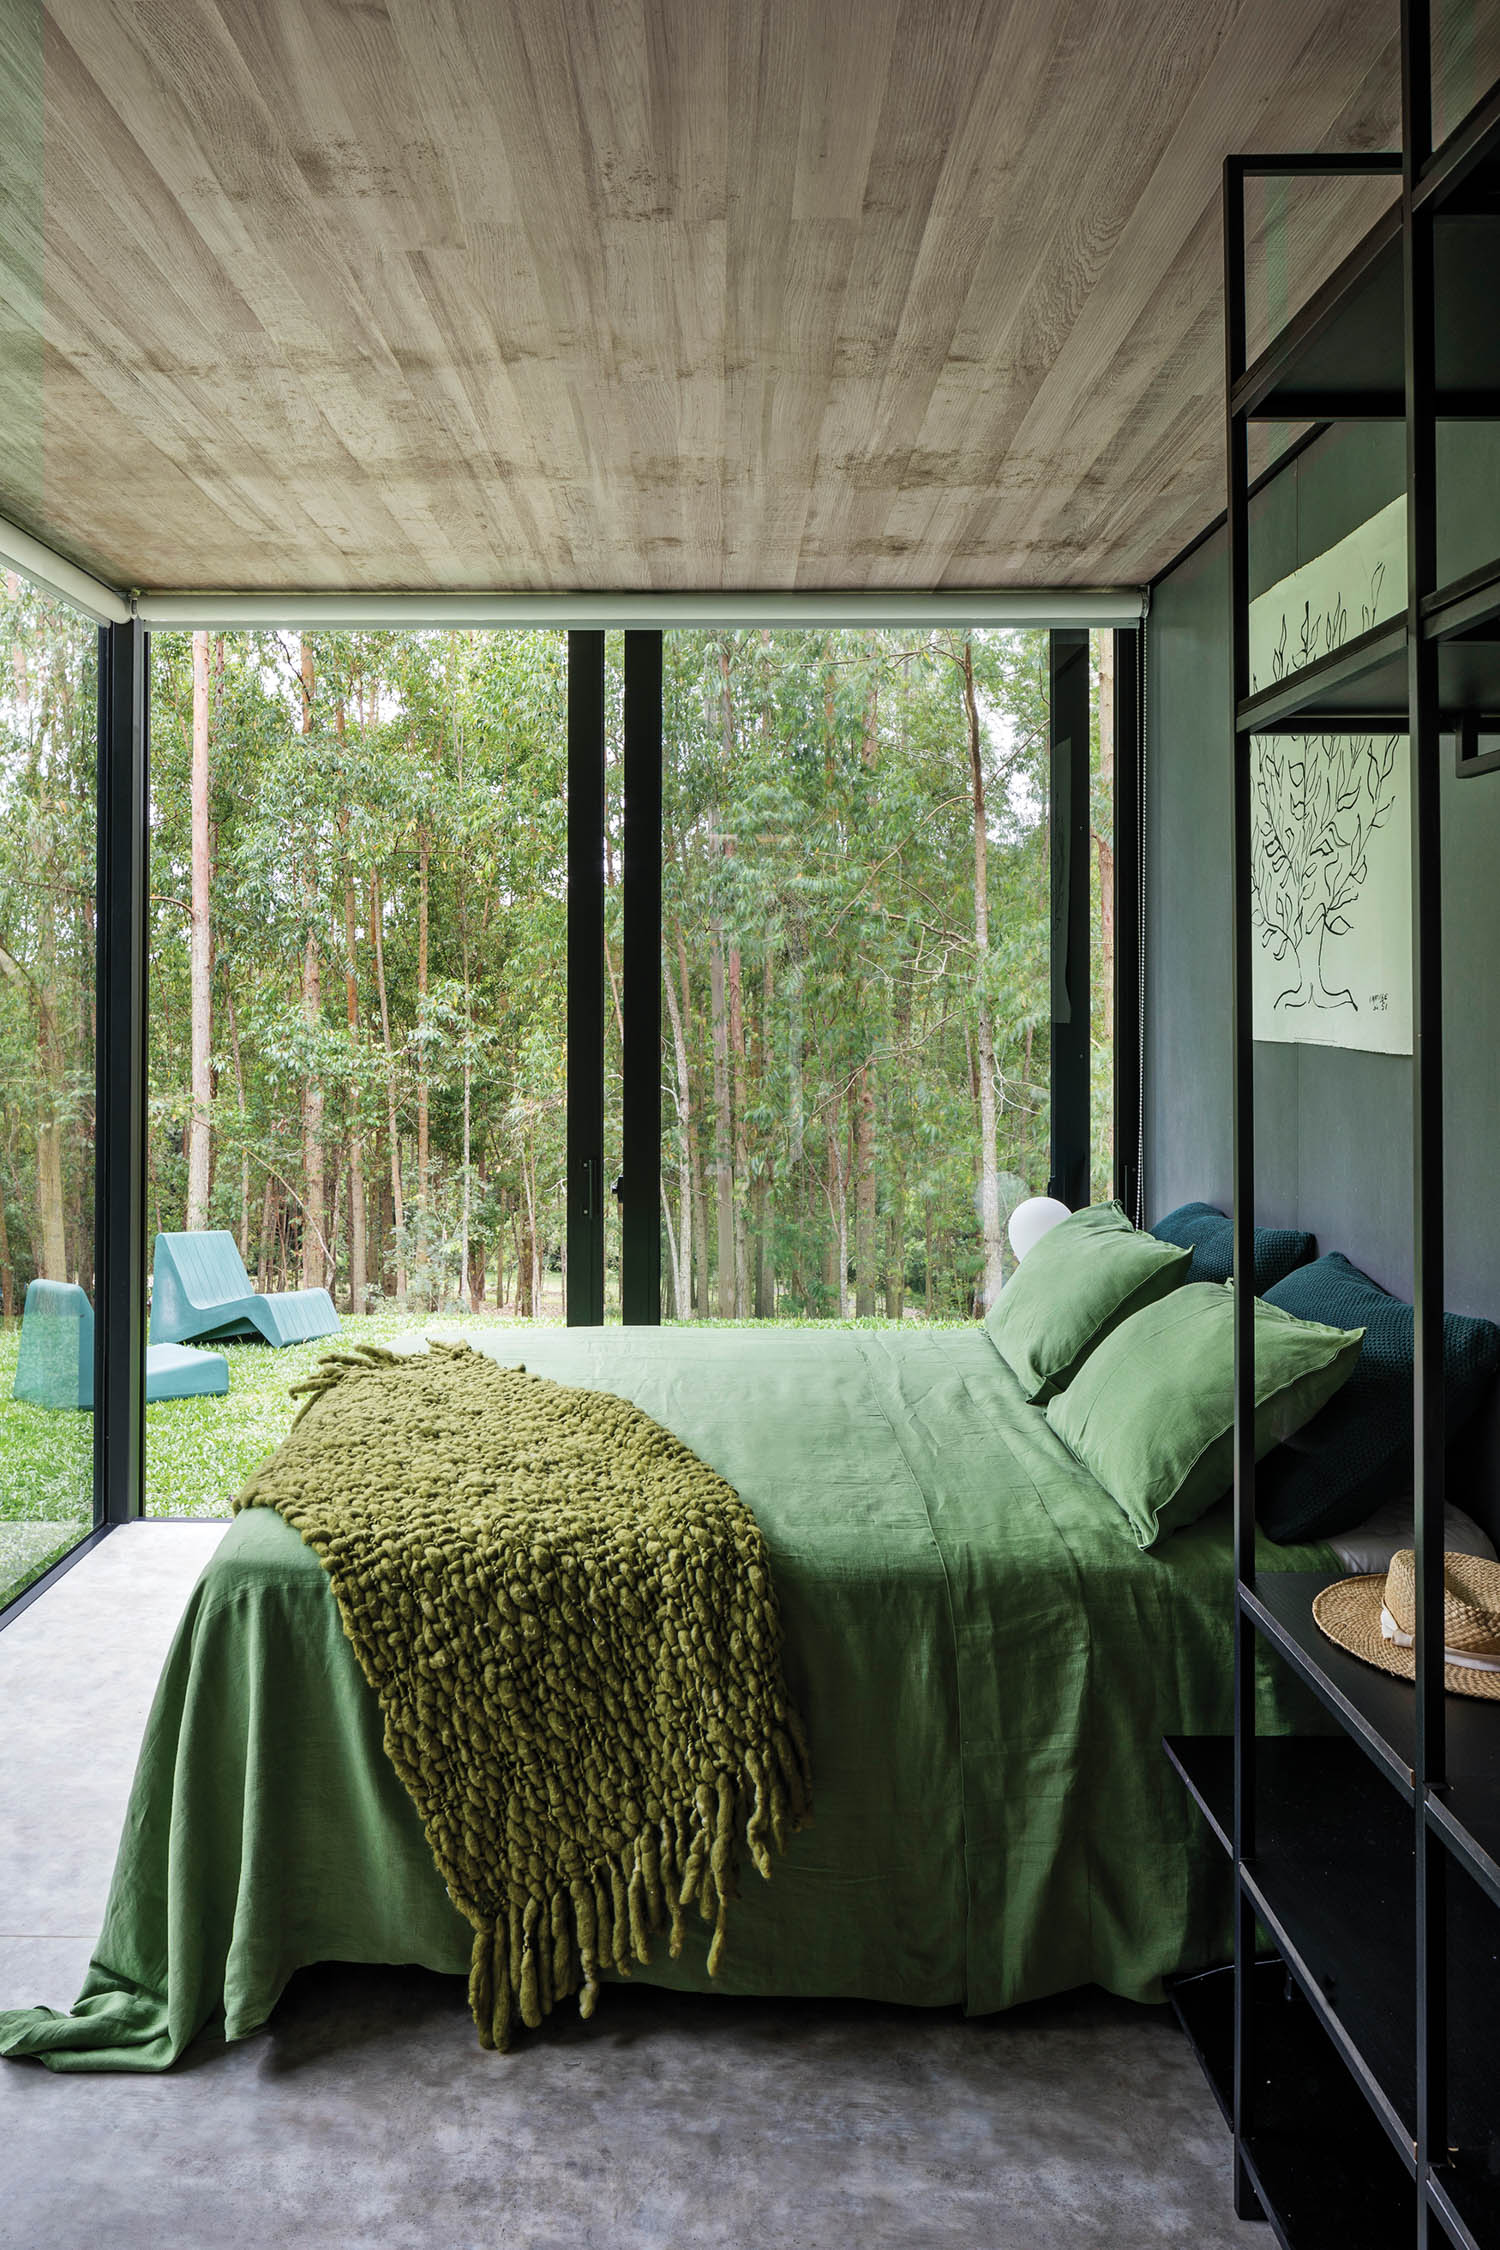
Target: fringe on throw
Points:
(558, 1940)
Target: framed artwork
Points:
(1331, 851)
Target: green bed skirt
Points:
(984, 1659)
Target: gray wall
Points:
(1333, 1128)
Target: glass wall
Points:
(855, 954)
(48, 760)
(358, 1020)
(358, 983)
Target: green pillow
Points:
(1071, 1288)
(1151, 1414)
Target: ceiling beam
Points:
(1098, 607)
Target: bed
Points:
(983, 1656)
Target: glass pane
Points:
(855, 957)
(48, 753)
(358, 999)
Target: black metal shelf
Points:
(1342, 357)
(1376, 1709)
(1365, 679)
(1468, 2206)
(1465, 171)
(1467, 606)
(1333, 1880)
(1361, 687)
(1467, 1813)
(1378, 1712)
(1323, 2170)
(1372, 1857)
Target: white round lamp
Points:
(1032, 1219)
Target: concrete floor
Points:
(366, 2116)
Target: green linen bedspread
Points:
(983, 1657)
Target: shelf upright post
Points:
(1246, 2203)
(1427, 1093)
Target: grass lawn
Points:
(199, 1451)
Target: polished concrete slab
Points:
(366, 2115)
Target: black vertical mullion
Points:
(640, 986)
(1427, 1096)
(585, 1000)
(120, 1067)
(1068, 676)
(1127, 1028)
(1243, 1109)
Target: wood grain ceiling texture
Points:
(638, 294)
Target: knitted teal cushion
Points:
(1357, 1452)
(1210, 1236)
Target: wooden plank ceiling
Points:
(645, 294)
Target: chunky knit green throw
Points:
(570, 1625)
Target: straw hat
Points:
(1376, 1619)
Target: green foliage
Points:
(822, 1146)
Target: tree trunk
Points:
(398, 1206)
(739, 1103)
(7, 1274)
(239, 1090)
(695, 1166)
(357, 1215)
(682, 1266)
(862, 1125)
(1104, 841)
(314, 1212)
(263, 1252)
(723, 1129)
(989, 1161)
(424, 859)
(200, 954)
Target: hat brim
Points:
(1349, 1613)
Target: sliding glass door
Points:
(866, 901)
(48, 826)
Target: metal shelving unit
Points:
(1354, 2065)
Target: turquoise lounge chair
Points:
(55, 1364)
(199, 1287)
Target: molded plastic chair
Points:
(55, 1364)
(199, 1287)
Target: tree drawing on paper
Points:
(1320, 632)
(1319, 801)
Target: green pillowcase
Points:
(1071, 1288)
(1151, 1413)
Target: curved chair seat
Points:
(199, 1288)
(55, 1364)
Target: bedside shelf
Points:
(1333, 1878)
(1342, 356)
(1324, 2171)
(1361, 687)
(1378, 1711)
(1467, 1814)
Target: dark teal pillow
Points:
(1210, 1236)
(1357, 1453)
